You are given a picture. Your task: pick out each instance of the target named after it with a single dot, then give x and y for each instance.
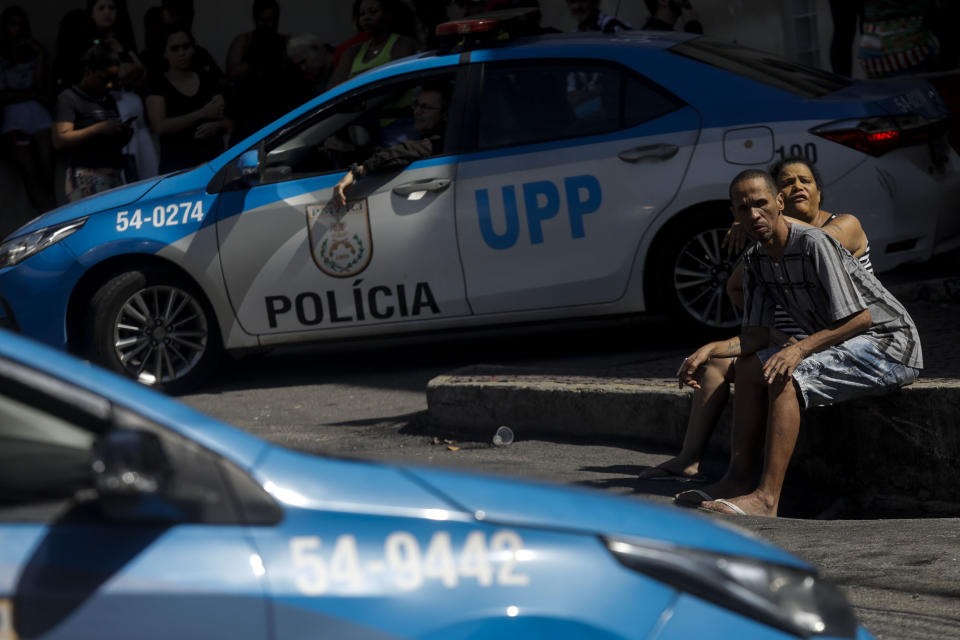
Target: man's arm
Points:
(340, 189)
(65, 136)
(750, 341)
(396, 156)
(782, 363)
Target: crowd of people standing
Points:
(102, 111)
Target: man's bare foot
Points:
(673, 469)
(725, 488)
(751, 504)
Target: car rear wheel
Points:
(693, 271)
(153, 327)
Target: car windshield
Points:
(762, 66)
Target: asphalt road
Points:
(367, 400)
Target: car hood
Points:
(514, 502)
(112, 199)
(301, 480)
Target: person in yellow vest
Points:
(384, 21)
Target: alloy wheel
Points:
(700, 278)
(160, 334)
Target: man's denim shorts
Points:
(852, 369)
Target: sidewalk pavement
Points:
(904, 447)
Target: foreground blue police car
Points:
(124, 514)
(581, 175)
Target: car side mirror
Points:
(249, 167)
(131, 473)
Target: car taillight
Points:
(877, 136)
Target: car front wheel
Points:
(153, 327)
(693, 271)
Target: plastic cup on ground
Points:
(503, 436)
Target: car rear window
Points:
(762, 66)
(530, 102)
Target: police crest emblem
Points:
(340, 238)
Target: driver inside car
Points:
(429, 121)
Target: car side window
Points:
(645, 101)
(346, 133)
(536, 102)
(68, 452)
(43, 457)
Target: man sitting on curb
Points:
(861, 342)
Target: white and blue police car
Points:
(125, 514)
(580, 176)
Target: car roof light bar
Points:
(489, 29)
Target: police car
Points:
(580, 175)
(124, 514)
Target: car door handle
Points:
(649, 152)
(429, 184)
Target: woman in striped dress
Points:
(802, 190)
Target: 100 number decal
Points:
(405, 565)
(168, 216)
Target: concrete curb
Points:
(907, 442)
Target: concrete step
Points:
(907, 442)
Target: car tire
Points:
(692, 271)
(154, 327)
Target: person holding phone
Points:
(88, 129)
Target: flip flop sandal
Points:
(665, 475)
(687, 503)
(737, 511)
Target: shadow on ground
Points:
(803, 497)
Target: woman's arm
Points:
(236, 64)
(343, 68)
(164, 125)
(846, 230)
(132, 73)
(210, 128)
(735, 286)
(403, 47)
